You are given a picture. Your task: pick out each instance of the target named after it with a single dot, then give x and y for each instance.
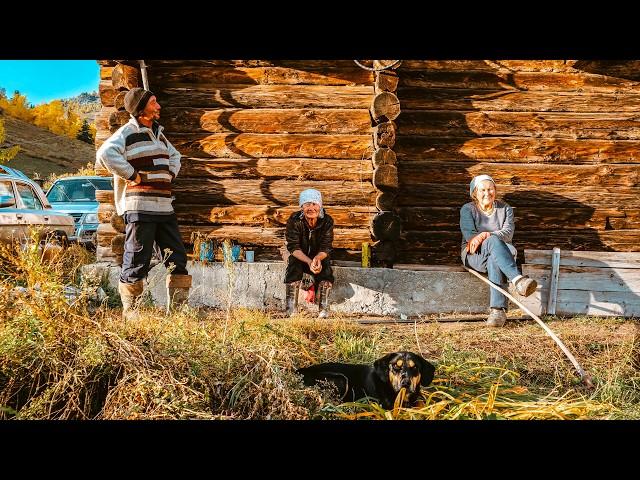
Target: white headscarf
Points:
(476, 180)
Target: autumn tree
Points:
(6, 154)
(85, 133)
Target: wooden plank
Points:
(260, 192)
(456, 195)
(342, 237)
(518, 149)
(266, 120)
(184, 76)
(107, 93)
(505, 78)
(413, 98)
(582, 302)
(595, 279)
(292, 168)
(267, 215)
(553, 286)
(267, 96)
(428, 268)
(570, 125)
(105, 72)
(585, 258)
(244, 145)
(523, 174)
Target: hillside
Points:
(44, 152)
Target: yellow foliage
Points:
(56, 118)
(6, 154)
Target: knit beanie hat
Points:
(136, 99)
(310, 195)
(476, 180)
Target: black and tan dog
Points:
(382, 381)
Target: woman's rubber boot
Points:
(324, 289)
(293, 290)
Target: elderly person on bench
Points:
(487, 227)
(309, 238)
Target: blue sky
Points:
(45, 80)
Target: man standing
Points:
(144, 163)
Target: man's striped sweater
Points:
(135, 149)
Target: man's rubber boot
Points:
(177, 291)
(130, 293)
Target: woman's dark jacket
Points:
(311, 241)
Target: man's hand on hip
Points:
(135, 181)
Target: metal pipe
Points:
(143, 70)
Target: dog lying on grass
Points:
(382, 381)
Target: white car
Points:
(23, 204)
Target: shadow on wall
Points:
(584, 286)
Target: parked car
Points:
(77, 197)
(23, 204)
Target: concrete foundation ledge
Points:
(357, 291)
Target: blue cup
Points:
(248, 256)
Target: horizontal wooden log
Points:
(384, 156)
(571, 258)
(385, 177)
(342, 237)
(105, 196)
(517, 101)
(386, 81)
(385, 106)
(293, 168)
(125, 77)
(525, 175)
(107, 93)
(518, 149)
(272, 192)
(267, 215)
(569, 125)
(184, 76)
(384, 135)
(526, 218)
(592, 279)
(508, 80)
(266, 120)
(268, 145)
(267, 96)
(488, 65)
(444, 246)
(450, 195)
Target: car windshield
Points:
(78, 190)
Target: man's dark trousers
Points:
(138, 248)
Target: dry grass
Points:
(73, 359)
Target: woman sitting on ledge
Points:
(309, 238)
(487, 227)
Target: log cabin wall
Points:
(561, 139)
(253, 134)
